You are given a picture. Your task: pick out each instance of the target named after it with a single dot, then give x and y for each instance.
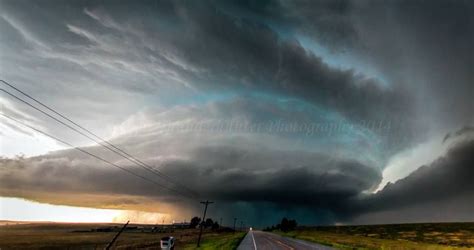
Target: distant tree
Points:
(270, 228)
(215, 226)
(209, 222)
(287, 225)
(194, 222)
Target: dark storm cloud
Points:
(279, 177)
(328, 21)
(269, 175)
(424, 45)
(238, 176)
(441, 191)
(252, 54)
(218, 50)
(448, 177)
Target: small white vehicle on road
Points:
(167, 242)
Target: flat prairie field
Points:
(390, 236)
(48, 235)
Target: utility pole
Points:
(235, 220)
(116, 236)
(203, 219)
(220, 223)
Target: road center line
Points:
(283, 244)
(254, 244)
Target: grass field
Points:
(397, 236)
(226, 241)
(85, 236)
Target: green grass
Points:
(226, 241)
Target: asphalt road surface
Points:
(262, 241)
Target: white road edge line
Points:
(254, 244)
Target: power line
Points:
(127, 155)
(101, 141)
(65, 124)
(93, 155)
(122, 152)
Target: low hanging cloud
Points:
(216, 168)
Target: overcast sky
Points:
(306, 109)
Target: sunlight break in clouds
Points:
(23, 210)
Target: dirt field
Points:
(95, 236)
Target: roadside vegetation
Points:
(227, 241)
(47, 235)
(398, 236)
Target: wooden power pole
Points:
(206, 203)
(116, 236)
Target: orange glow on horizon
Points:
(17, 209)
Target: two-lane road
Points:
(258, 240)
